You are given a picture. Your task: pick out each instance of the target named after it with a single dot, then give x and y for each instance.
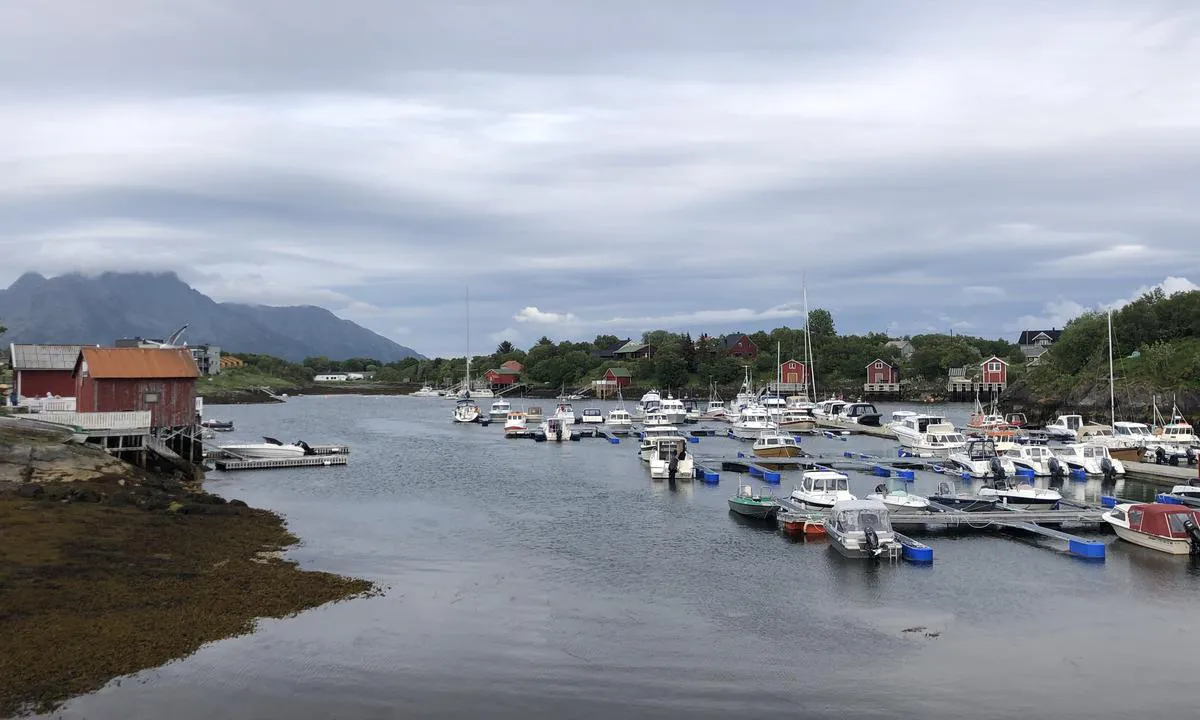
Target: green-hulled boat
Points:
(749, 504)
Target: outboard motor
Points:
(307, 450)
(558, 433)
(1106, 467)
(1189, 526)
(881, 489)
(1190, 455)
(1057, 471)
(997, 468)
(1160, 455)
(944, 489)
(871, 540)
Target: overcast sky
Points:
(611, 166)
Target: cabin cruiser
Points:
(829, 409)
(660, 459)
(928, 435)
(1065, 427)
(775, 406)
(820, 489)
(776, 443)
(1189, 492)
(656, 418)
(466, 411)
(619, 418)
(752, 422)
(515, 423)
(860, 413)
(895, 495)
(565, 412)
(1166, 527)
(1178, 433)
(425, 391)
(592, 416)
(500, 409)
(651, 434)
(533, 414)
(650, 401)
(1037, 458)
(268, 448)
(899, 416)
(797, 420)
(714, 410)
(1021, 496)
(1093, 459)
(674, 409)
(556, 428)
(980, 459)
(860, 529)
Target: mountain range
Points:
(100, 309)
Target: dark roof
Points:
(618, 372)
(1027, 336)
(728, 341)
(505, 371)
(44, 357)
(630, 347)
(139, 363)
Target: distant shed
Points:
(39, 370)
(161, 380)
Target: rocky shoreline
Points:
(106, 570)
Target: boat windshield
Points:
(1177, 523)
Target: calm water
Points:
(529, 579)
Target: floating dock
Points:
(278, 463)
(878, 431)
(1167, 475)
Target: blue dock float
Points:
(881, 471)
(768, 476)
(1025, 472)
(693, 439)
(1079, 474)
(906, 474)
(707, 474)
(1168, 499)
(914, 551)
(614, 441)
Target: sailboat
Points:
(465, 409)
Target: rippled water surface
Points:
(542, 580)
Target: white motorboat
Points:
(1021, 496)
(752, 422)
(515, 423)
(425, 391)
(745, 398)
(714, 409)
(619, 418)
(656, 418)
(928, 435)
(1037, 458)
(592, 416)
(556, 429)
(533, 414)
(774, 405)
(860, 529)
(500, 409)
(466, 411)
(820, 489)
(899, 416)
(1091, 458)
(1169, 528)
(1191, 491)
(650, 401)
(895, 495)
(652, 434)
(565, 412)
(660, 459)
(673, 408)
(980, 459)
(830, 410)
(777, 443)
(1065, 427)
(269, 448)
(860, 413)
(797, 420)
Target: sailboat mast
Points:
(812, 371)
(1112, 392)
(468, 388)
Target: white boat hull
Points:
(751, 431)
(659, 469)
(265, 451)
(1171, 546)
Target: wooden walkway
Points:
(1167, 475)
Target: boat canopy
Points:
(1162, 519)
(858, 515)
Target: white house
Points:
(331, 378)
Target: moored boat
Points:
(592, 416)
(466, 411)
(556, 429)
(750, 504)
(533, 414)
(499, 409)
(896, 497)
(860, 529)
(1021, 496)
(946, 495)
(269, 448)
(660, 461)
(820, 489)
(776, 443)
(752, 422)
(1166, 527)
(802, 524)
(515, 423)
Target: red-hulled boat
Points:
(802, 524)
(1165, 527)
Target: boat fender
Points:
(1107, 469)
(997, 468)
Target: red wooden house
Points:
(502, 376)
(161, 380)
(994, 371)
(41, 370)
(512, 365)
(882, 372)
(739, 345)
(793, 372)
(617, 376)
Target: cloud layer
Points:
(609, 167)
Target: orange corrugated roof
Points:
(136, 363)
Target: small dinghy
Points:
(896, 497)
(946, 495)
(750, 504)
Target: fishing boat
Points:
(1021, 496)
(268, 448)
(660, 461)
(860, 529)
(499, 409)
(714, 409)
(776, 443)
(1166, 527)
(820, 489)
(515, 423)
(673, 408)
(895, 495)
(752, 505)
(964, 502)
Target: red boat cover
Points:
(1162, 519)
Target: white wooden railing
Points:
(39, 405)
(133, 420)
